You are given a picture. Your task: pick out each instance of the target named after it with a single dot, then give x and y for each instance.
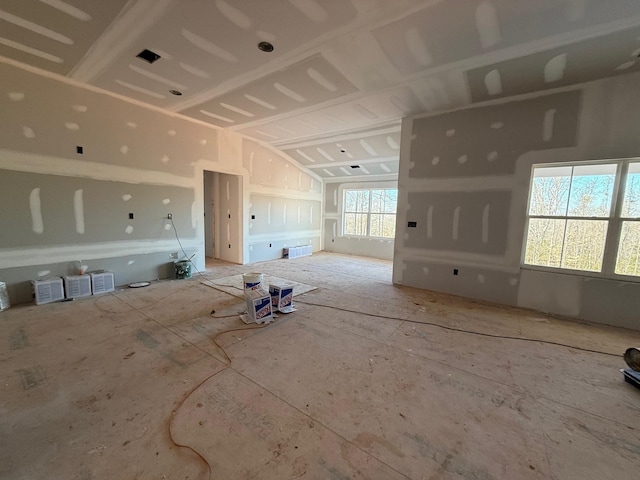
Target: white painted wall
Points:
(603, 124)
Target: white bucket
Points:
(252, 281)
(4, 297)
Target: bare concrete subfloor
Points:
(91, 388)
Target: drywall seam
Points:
(339, 100)
(328, 136)
(292, 194)
(342, 137)
(468, 184)
(365, 178)
(91, 88)
(268, 237)
(45, 164)
(24, 257)
(125, 29)
(500, 101)
(214, 166)
(367, 19)
(282, 154)
(352, 162)
(457, 262)
(456, 256)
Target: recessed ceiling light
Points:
(148, 56)
(265, 47)
(175, 92)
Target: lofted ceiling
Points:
(342, 73)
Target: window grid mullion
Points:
(615, 222)
(369, 213)
(365, 209)
(615, 225)
(566, 221)
(556, 217)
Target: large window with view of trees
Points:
(585, 217)
(370, 212)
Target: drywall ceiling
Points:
(342, 74)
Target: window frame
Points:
(354, 186)
(615, 219)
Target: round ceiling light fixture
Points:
(175, 92)
(265, 47)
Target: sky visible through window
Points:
(579, 200)
(370, 212)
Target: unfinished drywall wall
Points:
(48, 210)
(335, 240)
(284, 203)
(489, 141)
(464, 182)
(86, 176)
(76, 163)
(560, 66)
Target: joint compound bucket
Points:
(252, 281)
(183, 269)
(4, 297)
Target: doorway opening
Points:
(222, 205)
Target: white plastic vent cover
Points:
(102, 282)
(47, 291)
(299, 251)
(77, 286)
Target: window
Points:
(370, 212)
(585, 217)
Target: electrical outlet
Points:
(169, 216)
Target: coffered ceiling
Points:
(342, 73)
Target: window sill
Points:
(365, 237)
(581, 273)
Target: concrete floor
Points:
(91, 388)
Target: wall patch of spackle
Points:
(458, 221)
(471, 281)
(292, 215)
